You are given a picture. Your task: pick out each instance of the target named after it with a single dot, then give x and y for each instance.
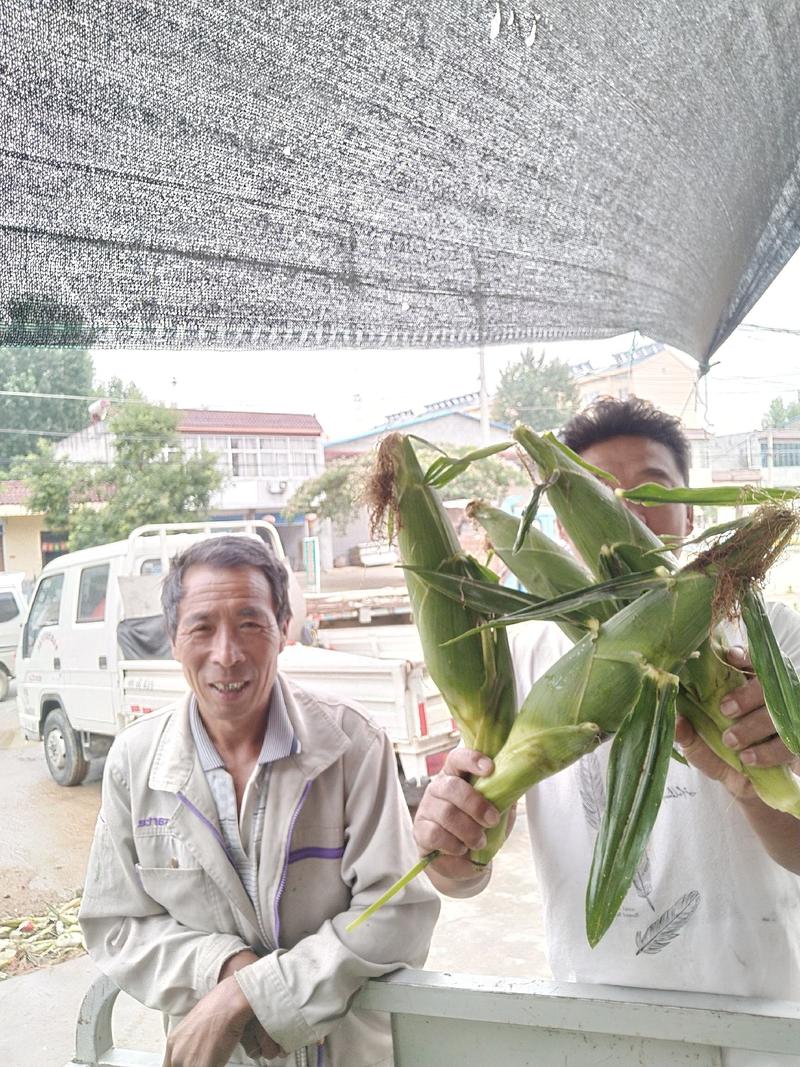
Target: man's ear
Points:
(284, 628)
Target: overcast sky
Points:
(351, 391)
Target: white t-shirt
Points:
(709, 910)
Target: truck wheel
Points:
(5, 683)
(62, 750)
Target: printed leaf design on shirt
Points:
(593, 798)
(643, 880)
(591, 789)
(667, 926)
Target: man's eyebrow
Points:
(656, 472)
(250, 612)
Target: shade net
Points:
(384, 173)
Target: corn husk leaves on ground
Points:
(30, 941)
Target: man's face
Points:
(633, 460)
(228, 640)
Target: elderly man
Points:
(241, 832)
(716, 901)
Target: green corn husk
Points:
(593, 689)
(594, 519)
(653, 494)
(637, 774)
(705, 682)
(544, 567)
(475, 676)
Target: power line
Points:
(73, 396)
(768, 329)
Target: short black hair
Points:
(632, 417)
(223, 552)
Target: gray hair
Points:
(223, 552)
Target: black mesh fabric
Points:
(383, 173)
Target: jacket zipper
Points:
(276, 922)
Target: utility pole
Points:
(484, 397)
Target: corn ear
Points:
(776, 673)
(595, 527)
(637, 774)
(588, 509)
(543, 567)
(475, 677)
(705, 682)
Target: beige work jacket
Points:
(163, 907)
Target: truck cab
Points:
(13, 604)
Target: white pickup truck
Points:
(12, 611)
(93, 655)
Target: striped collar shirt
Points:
(242, 830)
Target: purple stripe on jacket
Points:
(313, 853)
(196, 811)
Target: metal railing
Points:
(443, 1019)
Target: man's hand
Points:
(452, 817)
(751, 735)
(255, 1040)
(212, 1029)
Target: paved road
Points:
(46, 829)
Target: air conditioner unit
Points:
(278, 487)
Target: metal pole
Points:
(484, 397)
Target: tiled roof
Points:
(200, 420)
(14, 492)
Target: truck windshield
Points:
(45, 610)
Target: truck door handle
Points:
(102, 663)
(56, 663)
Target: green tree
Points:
(337, 493)
(149, 480)
(538, 392)
(43, 349)
(778, 415)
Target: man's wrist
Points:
(243, 958)
(241, 1009)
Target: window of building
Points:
(274, 456)
(303, 452)
(8, 607)
(92, 594)
(784, 454)
(244, 457)
(700, 454)
(45, 610)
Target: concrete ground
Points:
(47, 832)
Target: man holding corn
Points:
(715, 903)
